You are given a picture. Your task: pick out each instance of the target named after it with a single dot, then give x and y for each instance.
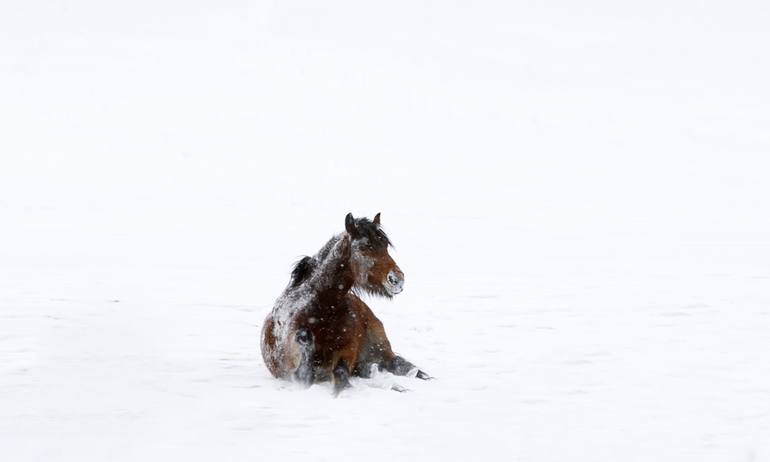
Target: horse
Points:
(319, 329)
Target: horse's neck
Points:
(334, 272)
(324, 252)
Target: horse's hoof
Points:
(424, 376)
(336, 391)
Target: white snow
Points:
(577, 192)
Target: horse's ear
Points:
(350, 224)
(376, 220)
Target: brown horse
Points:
(320, 329)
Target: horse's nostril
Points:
(394, 280)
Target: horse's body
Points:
(319, 329)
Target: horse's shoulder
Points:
(361, 309)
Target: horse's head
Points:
(374, 270)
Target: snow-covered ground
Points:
(577, 191)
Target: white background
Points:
(577, 191)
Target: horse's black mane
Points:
(302, 270)
(364, 229)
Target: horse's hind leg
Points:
(304, 373)
(340, 376)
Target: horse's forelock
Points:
(372, 232)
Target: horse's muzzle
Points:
(395, 282)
